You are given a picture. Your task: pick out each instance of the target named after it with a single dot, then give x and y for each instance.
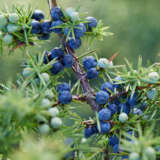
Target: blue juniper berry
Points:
(113, 108)
(46, 26)
(123, 107)
(89, 62)
(56, 14)
(78, 30)
(107, 87)
(102, 97)
(38, 15)
(56, 68)
(57, 52)
(74, 43)
(48, 57)
(65, 97)
(36, 27)
(68, 60)
(56, 27)
(105, 127)
(116, 148)
(92, 73)
(132, 101)
(104, 114)
(89, 131)
(92, 22)
(63, 87)
(113, 140)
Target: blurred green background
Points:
(135, 24)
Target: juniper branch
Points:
(80, 74)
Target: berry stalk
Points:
(81, 75)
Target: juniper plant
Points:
(124, 102)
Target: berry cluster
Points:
(65, 96)
(94, 67)
(55, 122)
(46, 103)
(140, 150)
(28, 72)
(90, 64)
(62, 60)
(114, 143)
(121, 106)
(8, 27)
(40, 27)
(63, 22)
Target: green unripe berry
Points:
(153, 76)
(152, 94)
(3, 21)
(56, 122)
(11, 28)
(45, 77)
(13, 18)
(44, 129)
(72, 13)
(8, 39)
(134, 156)
(45, 103)
(53, 111)
(83, 140)
(49, 94)
(150, 153)
(104, 63)
(123, 117)
(27, 72)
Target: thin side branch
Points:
(137, 88)
(54, 3)
(76, 98)
(81, 75)
(106, 154)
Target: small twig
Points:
(137, 88)
(106, 154)
(56, 104)
(113, 57)
(54, 3)
(22, 44)
(89, 122)
(111, 98)
(77, 98)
